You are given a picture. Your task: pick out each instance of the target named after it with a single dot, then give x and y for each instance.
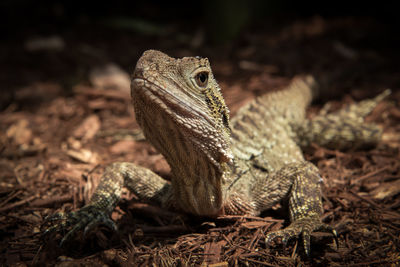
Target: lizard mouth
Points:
(169, 102)
(182, 110)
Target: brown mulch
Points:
(56, 136)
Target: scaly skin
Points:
(243, 166)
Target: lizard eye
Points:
(202, 79)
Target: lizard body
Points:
(221, 166)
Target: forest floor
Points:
(66, 113)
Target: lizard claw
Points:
(104, 220)
(304, 227)
(85, 219)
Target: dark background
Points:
(121, 30)
(48, 103)
(22, 17)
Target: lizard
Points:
(243, 165)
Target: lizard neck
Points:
(197, 184)
(197, 180)
(180, 108)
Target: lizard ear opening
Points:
(225, 121)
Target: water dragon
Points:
(243, 165)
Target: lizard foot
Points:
(85, 219)
(305, 227)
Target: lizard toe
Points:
(285, 235)
(102, 219)
(85, 219)
(329, 229)
(56, 223)
(303, 227)
(55, 217)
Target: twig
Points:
(50, 201)
(11, 197)
(365, 199)
(256, 261)
(164, 229)
(18, 203)
(235, 217)
(362, 178)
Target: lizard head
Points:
(179, 106)
(186, 90)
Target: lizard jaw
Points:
(197, 161)
(196, 124)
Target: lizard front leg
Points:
(145, 184)
(300, 183)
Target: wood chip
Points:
(88, 128)
(20, 133)
(254, 224)
(110, 76)
(122, 147)
(385, 190)
(83, 155)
